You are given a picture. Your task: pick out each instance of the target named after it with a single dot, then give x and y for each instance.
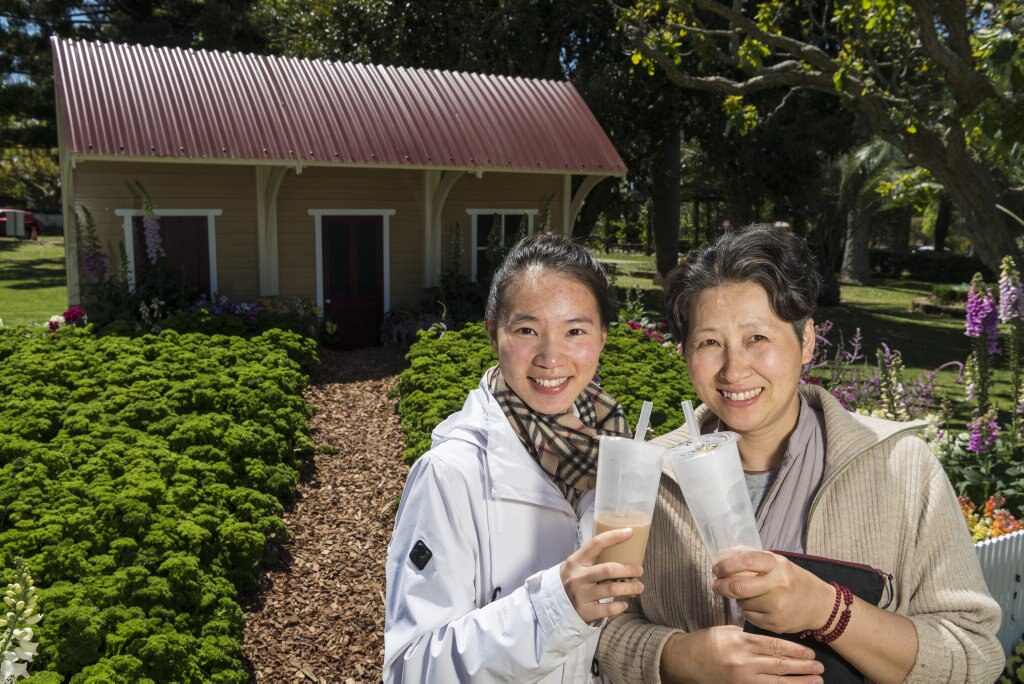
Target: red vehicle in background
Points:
(7, 224)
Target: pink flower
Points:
(74, 316)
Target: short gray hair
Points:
(774, 258)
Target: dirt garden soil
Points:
(319, 615)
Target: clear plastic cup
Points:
(628, 474)
(710, 475)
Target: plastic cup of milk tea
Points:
(628, 474)
(710, 474)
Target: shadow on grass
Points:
(32, 274)
(924, 341)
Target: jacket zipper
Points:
(579, 528)
(835, 476)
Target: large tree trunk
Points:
(665, 198)
(856, 268)
(818, 242)
(739, 206)
(971, 187)
(899, 229)
(593, 205)
(942, 220)
(986, 226)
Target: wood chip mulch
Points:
(319, 614)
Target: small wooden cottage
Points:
(341, 183)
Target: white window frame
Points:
(318, 215)
(475, 213)
(211, 238)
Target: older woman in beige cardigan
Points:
(823, 481)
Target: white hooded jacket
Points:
(487, 605)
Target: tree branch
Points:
(969, 87)
(786, 74)
(799, 49)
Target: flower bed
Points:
(142, 479)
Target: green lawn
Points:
(32, 282)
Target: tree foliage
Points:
(940, 80)
(27, 98)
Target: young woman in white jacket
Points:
(488, 574)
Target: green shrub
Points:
(142, 478)
(444, 369)
(930, 267)
(950, 294)
(1014, 671)
(634, 368)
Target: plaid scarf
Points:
(565, 446)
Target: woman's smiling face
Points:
(745, 361)
(550, 341)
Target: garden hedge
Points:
(444, 368)
(142, 479)
(929, 267)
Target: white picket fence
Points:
(1002, 562)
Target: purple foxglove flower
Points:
(154, 245)
(95, 262)
(982, 317)
(1011, 302)
(983, 433)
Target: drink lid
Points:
(709, 443)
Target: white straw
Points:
(692, 423)
(645, 417)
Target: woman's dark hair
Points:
(774, 258)
(554, 253)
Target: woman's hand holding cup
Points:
(774, 593)
(587, 582)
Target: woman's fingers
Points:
(728, 654)
(780, 597)
(780, 658)
(594, 546)
(588, 582)
(759, 562)
(598, 607)
(779, 648)
(582, 564)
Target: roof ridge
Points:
(270, 55)
(136, 101)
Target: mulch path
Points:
(319, 615)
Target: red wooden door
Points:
(353, 272)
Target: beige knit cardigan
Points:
(885, 502)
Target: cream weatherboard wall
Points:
(540, 193)
(107, 187)
(356, 190)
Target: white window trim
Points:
(211, 238)
(474, 213)
(318, 215)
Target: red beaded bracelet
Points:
(843, 595)
(844, 619)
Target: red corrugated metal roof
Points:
(135, 101)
